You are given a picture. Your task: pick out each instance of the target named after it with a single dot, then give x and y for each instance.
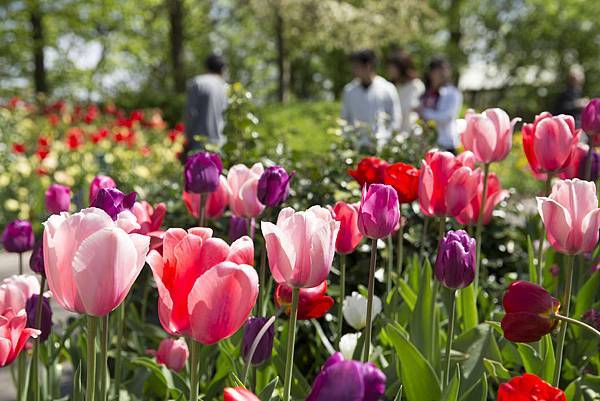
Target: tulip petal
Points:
(590, 226)
(557, 222)
(281, 259)
(525, 327)
(221, 301)
(242, 251)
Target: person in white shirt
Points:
(370, 102)
(441, 103)
(402, 73)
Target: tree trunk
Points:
(282, 62)
(176, 39)
(37, 35)
(455, 53)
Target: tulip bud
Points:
(348, 344)
(590, 117)
(379, 212)
(113, 201)
(58, 199)
(36, 261)
(18, 236)
(312, 303)
(99, 182)
(355, 310)
(342, 380)
(238, 227)
(238, 394)
(46, 312)
(455, 263)
(173, 353)
(274, 186)
(265, 345)
(528, 308)
(201, 172)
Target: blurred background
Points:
(515, 54)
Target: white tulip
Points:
(355, 310)
(348, 345)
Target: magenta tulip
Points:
(571, 216)
(379, 212)
(206, 288)
(99, 182)
(301, 246)
(489, 135)
(58, 199)
(349, 235)
(92, 261)
(590, 117)
(243, 186)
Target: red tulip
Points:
(349, 236)
(238, 394)
(312, 304)
(549, 141)
(405, 180)
(447, 183)
(216, 201)
(529, 387)
(370, 170)
(13, 335)
(495, 195)
(528, 310)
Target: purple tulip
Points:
(341, 380)
(265, 345)
(113, 201)
(46, 321)
(99, 182)
(18, 236)
(592, 316)
(595, 168)
(274, 186)
(201, 172)
(36, 261)
(455, 263)
(379, 212)
(58, 199)
(238, 227)
(590, 117)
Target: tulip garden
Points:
(252, 273)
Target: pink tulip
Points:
(173, 353)
(447, 183)
(301, 246)
(571, 216)
(348, 236)
(495, 195)
(206, 288)
(99, 182)
(150, 219)
(379, 211)
(92, 261)
(16, 290)
(216, 201)
(549, 141)
(243, 186)
(489, 135)
(13, 335)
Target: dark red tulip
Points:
(369, 170)
(313, 302)
(529, 308)
(405, 180)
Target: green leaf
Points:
(496, 370)
(422, 325)
(531, 361)
(586, 297)
(531, 257)
(77, 390)
(477, 392)
(398, 396)
(467, 312)
(478, 343)
(419, 380)
(451, 392)
(161, 372)
(548, 360)
(267, 393)
(407, 294)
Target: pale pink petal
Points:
(242, 251)
(280, 261)
(127, 221)
(557, 223)
(590, 227)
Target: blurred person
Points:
(205, 103)
(370, 100)
(402, 73)
(441, 103)
(571, 101)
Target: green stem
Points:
(486, 171)
(91, 358)
(21, 372)
(588, 161)
(20, 263)
(261, 333)
(120, 325)
(263, 276)
(451, 317)
(423, 240)
(563, 327)
(146, 294)
(36, 348)
(201, 211)
(103, 357)
(289, 358)
(400, 250)
(577, 323)
(540, 253)
(390, 260)
(369, 327)
(342, 296)
(194, 354)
